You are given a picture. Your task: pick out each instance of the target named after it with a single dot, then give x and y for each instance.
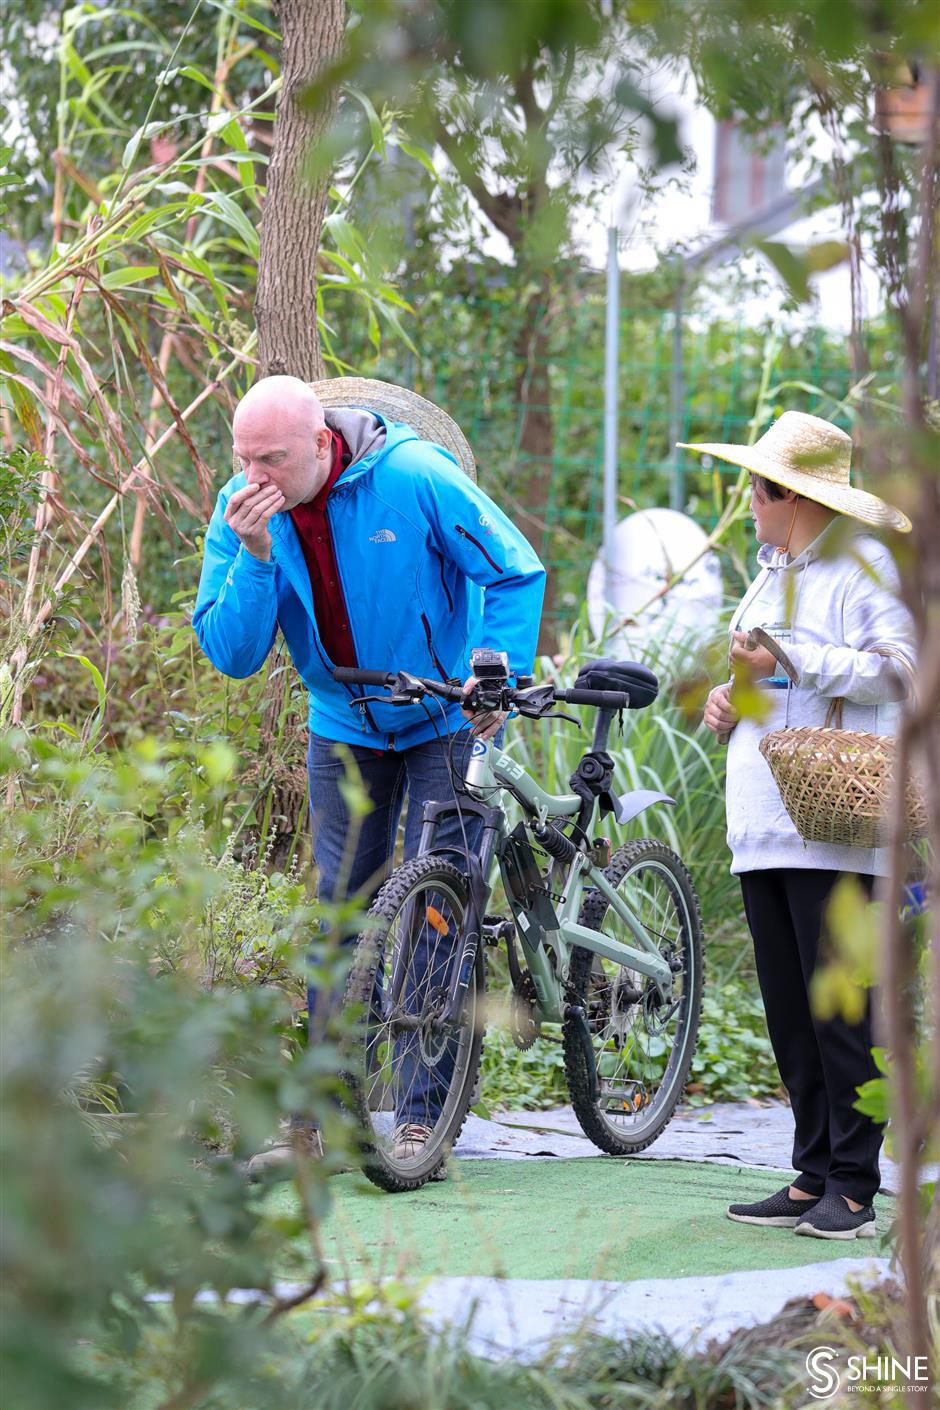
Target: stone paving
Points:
(518, 1317)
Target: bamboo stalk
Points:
(133, 475)
(128, 206)
(156, 401)
(223, 68)
(48, 484)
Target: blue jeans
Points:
(353, 861)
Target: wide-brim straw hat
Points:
(812, 457)
(399, 404)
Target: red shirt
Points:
(313, 530)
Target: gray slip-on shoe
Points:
(831, 1218)
(777, 1211)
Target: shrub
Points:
(126, 1064)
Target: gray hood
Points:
(362, 432)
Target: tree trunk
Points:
(286, 297)
(289, 341)
(532, 472)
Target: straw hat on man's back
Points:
(811, 457)
(431, 422)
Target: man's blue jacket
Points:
(430, 568)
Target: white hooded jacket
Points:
(836, 608)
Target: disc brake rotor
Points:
(432, 1039)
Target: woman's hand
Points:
(720, 715)
(756, 660)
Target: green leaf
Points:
(147, 221)
(346, 235)
(391, 317)
(237, 13)
(412, 149)
(231, 214)
(233, 135)
(791, 267)
(197, 75)
(100, 691)
(376, 129)
(151, 129)
(665, 130)
(219, 761)
(133, 274)
(873, 1100)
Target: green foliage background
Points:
(150, 965)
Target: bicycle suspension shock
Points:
(555, 843)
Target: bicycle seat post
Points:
(602, 729)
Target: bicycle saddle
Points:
(607, 674)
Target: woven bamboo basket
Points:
(836, 784)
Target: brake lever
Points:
(537, 712)
(535, 700)
(407, 690)
(393, 699)
(537, 703)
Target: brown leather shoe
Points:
(278, 1161)
(410, 1139)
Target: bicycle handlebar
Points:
(351, 675)
(600, 699)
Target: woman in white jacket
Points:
(827, 594)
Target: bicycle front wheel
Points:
(642, 1041)
(411, 1068)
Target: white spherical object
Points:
(638, 618)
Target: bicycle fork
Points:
(468, 939)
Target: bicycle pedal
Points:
(496, 929)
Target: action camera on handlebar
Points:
(491, 667)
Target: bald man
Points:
(364, 546)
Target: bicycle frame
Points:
(493, 770)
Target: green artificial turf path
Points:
(603, 1219)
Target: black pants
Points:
(821, 1062)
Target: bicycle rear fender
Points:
(626, 806)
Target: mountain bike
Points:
(608, 944)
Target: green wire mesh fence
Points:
(468, 362)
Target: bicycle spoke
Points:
(640, 1032)
(416, 1064)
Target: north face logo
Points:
(383, 536)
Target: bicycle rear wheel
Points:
(411, 1075)
(642, 1043)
